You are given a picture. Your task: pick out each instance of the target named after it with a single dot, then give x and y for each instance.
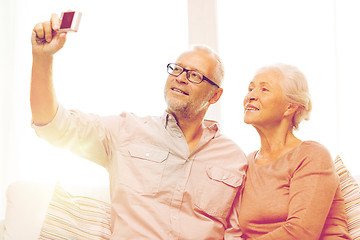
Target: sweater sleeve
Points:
(312, 189)
(233, 230)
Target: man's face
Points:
(185, 98)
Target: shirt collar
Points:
(211, 127)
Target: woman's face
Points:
(265, 105)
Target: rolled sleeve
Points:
(82, 134)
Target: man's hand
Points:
(45, 40)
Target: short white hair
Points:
(295, 89)
(219, 70)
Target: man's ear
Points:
(216, 96)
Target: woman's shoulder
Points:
(304, 152)
(312, 146)
(308, 150)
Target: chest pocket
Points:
(144, 168)
(218, 191)
(148, 153)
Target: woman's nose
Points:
(252, 95)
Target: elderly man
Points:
(171, 177)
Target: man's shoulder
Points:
(225, 138)
(228, 146)
(131, 117)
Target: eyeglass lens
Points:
(191, 75)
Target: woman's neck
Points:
(275, 142)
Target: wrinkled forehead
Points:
(271, 76)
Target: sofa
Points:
(29, 205)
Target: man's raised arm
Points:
(45, 43)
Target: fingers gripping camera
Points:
(70, 21)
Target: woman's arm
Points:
(312, 189)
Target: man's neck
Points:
(192, 129)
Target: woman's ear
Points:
(292, 108)
(216, 96)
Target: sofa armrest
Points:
(27, 203)
(2, 228)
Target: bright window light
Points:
(115, 62)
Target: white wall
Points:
(348, 84)
(7, 97)
(117, 62)
(321, 38)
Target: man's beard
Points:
(182, 109)
(179, 108)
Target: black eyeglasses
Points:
(191, 75)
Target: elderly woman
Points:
(292, 190)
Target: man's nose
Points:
(182, 78)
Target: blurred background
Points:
(117, 62)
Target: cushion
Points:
(351, 192)
(75, 217)
(26, 206)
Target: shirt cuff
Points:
(53, 122)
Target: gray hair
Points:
(219, 70)
(296, 91)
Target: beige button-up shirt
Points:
(159, 190)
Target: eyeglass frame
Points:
(187, 71)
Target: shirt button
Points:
(147, 154)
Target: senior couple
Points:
(177, 177)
